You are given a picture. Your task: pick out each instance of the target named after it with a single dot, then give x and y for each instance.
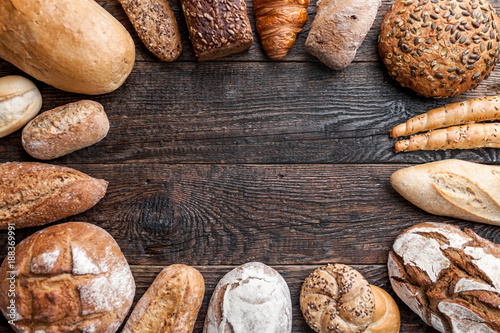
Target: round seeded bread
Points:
(440, 49)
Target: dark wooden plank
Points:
(294, 275)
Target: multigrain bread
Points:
(252, 298)
(386, 318)
(35, 193)
(70, 277)
(440, 49)
(171, 303)
(217, 28)
(65, 129)
(337, 299)
(156, 26)
(449, 277)
(20, 101)
(454, 188)
(73, 45)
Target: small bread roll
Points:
(386, 318)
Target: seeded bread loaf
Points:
(252, 298)
(440, 49)
(171, 303)
(65, 129)
(35, 193)
(337, 299)
(70, 277)
(455, 188)
(217, 28)
(449, 277)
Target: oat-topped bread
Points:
(70, 277)
(337, 299)
(440, 48)
(217, 28)
(449, 277)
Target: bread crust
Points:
(36, 193)
(386, 318)
(92, 54)
(65, 129)
(171, 304)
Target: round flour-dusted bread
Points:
(449, 277)
(337, 299)
(440, 49)
(70, 277)
(252, 298)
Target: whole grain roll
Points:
(440, 49)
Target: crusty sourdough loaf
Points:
(440, 49)
(70, 277)
(252, 298)
(337, 299)
(20, 101)
(455, 188)
(155, 23)
(217, 28)
(386, 318)
(171, 303)
(450, 278)
(65, 129)
(36, 193)
(73, 45)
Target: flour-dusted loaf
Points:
(217, 28)
(337, 299)
(449, 277)
(20, 101)
(70, 277)
(171, 304)
(455, 188)
(36, 193)
(386, 318)
(252, 298)
(65, 129)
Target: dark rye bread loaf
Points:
(449, 277)
(35, 193)
(70, 277)
(217, 28)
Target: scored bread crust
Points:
(171, 304)
(37, 193)
(386, 318)
(70, 277)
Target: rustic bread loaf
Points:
(65, 129)
(171, 303)
(450, 278)
(20, 101)
(337, 298)
(217, 28)
(455, 188)
(252, 298)
(35, 193)
(70, 277)
(338, 30)
(73, 45)
(440, 49)
(386, 318)
(156, 26)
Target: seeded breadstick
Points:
(456, 137)
(471, 111)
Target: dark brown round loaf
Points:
(440, 49)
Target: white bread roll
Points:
(386, 318)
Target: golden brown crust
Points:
(386, 318)
(35, 193)
(92, 53)
(70, 277)
(440, 49)
(278, 22)
(156, 25)
(171, 304)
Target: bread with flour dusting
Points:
(70, 277)
(252, 298)
(449, 277)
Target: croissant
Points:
(278, 23)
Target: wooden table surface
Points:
(242, 159)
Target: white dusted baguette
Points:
(454, 188)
